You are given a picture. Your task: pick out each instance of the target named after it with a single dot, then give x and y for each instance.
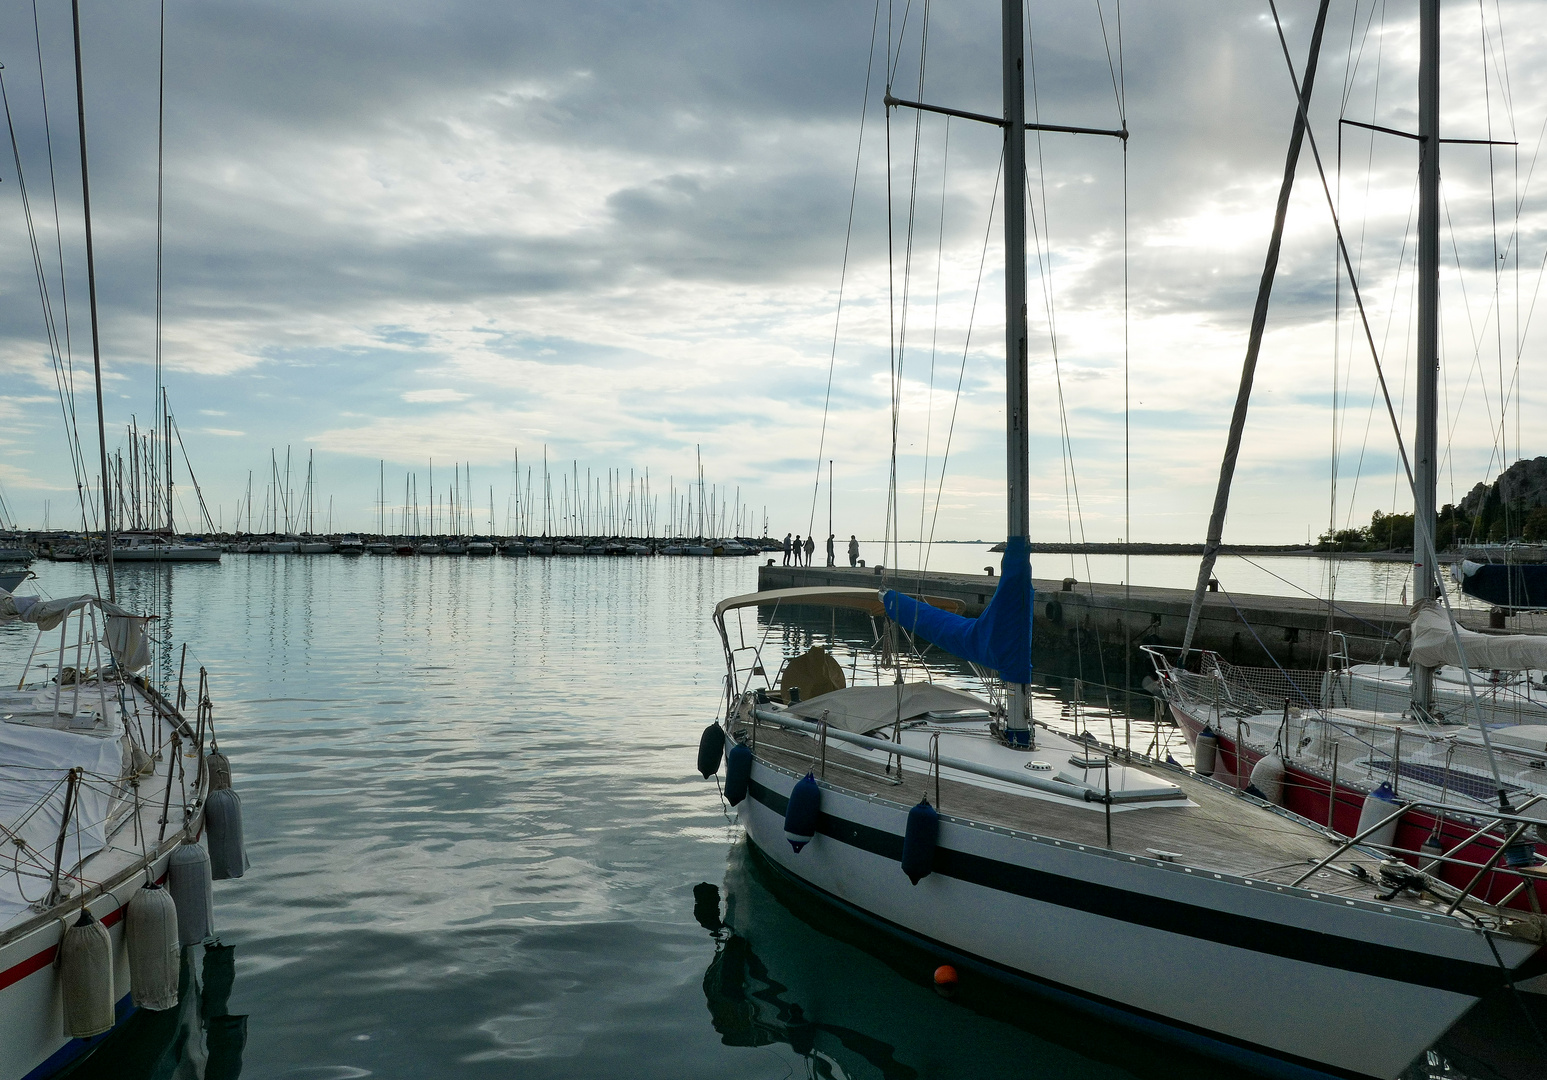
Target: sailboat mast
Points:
(1426, 440)
(1017, 437)
(91, 286)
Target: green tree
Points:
(1535, 530)
(1391, 532)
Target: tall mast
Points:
(91, 286)
(1426, 439)
(1017, 439)
(166, 437)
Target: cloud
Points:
(443, 394)
(620, 233)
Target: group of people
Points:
(802, 550)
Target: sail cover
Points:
(1434, 645)
(1000, 638)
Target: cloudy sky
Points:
(457, 231)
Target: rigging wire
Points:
(961, 373)
(934, 340)
(843, 274)
(1420, 527)
(61, 382)
(900, 352)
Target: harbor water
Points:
(480, 849)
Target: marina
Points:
(1220, 752)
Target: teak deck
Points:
(1224, 831)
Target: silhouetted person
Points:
(831, 558)
(799, 550)
(810, 549)
(853, 551)
(786, 549)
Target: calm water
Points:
(479, 846)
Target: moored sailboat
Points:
(1108, 881)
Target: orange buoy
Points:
(945, 979)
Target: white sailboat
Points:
(1455, 741)
(109, 795)
(1158, 900)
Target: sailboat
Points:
(109, 794)
(1438, 763)
(1156, 899)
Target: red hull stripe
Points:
(17, 972)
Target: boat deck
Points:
(1218, 829)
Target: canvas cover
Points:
(124, 631)
(1435, 646)
(862, 709)
(1000, 638)
(34, 765)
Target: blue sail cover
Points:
(1000, 638)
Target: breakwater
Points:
(1111, 622)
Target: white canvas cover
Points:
(124, 631)
(1434, 645)
(34, 766)
(860, 709)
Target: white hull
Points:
(31, 1009)
(1504, 697)
(1202, 958)
(167, 553)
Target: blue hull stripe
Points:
(1179, 917)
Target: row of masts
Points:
(555, 501)
(140, 476)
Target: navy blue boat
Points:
(1505, 585)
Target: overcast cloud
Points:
(442, 230)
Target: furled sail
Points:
(999, 639)
(1435, 646)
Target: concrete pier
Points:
(1112, 621)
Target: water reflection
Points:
(198, 1040)
(857, 1004)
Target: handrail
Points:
(1404, 806)
(1054, 787)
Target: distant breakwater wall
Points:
(1110, 622)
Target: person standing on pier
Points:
(799, 551)
(853, 551)
(810, 549)
(786, 549)
(832, 559)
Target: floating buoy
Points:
(219, 978)
(150, 932)
(223, 824)
(945, 980)
(738, 773)
(1267, 781)
(219, 768)
(1204, 751)
(918, 843)
(706, 906)
(193, 891)
(800, 818)
(86, 978)
(1379, 805)
(711, 745)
